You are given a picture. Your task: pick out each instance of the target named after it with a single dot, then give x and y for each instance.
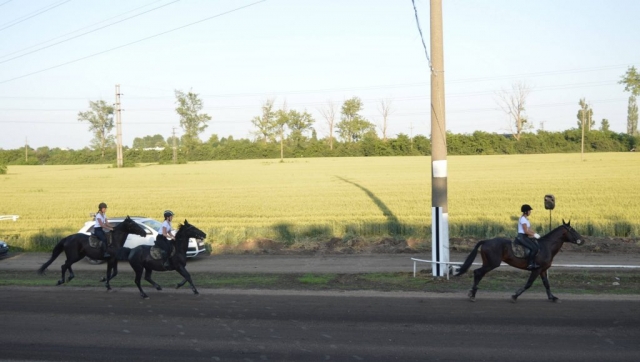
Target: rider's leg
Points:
(533, 251)
(103, 238)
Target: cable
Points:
(5, 3)
(36, 14)
(133, 42)
(89, 32)
(77, 30)
(415, 10)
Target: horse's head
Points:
(131, 227)
(187, 231)
(570, 234)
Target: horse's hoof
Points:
(144, 296)
(514, 299)
(472, 299)
(178, 286)
(158, 288)
(103, 280)
(69, 279)
(60, 282)
(196, 292)
(554, 300)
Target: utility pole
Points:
(411, 134)
(439, 207)
(118, 128)
(582, 142)
(26, 150)
(175, 149)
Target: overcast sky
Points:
(307, 53)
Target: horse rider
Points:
(163, 241)
(102, 224)
(527, 236)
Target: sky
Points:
(58, 55)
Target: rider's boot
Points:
(104, 249)
(532, 262)
(167, 260)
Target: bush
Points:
(3, 169)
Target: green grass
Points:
(573, 282)
(302, 200)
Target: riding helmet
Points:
(168, 213)
(525, 208)
(102, 205)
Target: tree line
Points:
(228, 148)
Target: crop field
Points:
(309, 199)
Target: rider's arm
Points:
(527, 231)
(167, 233)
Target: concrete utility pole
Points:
(175, 149)
(439, 207)
(582, 142)
(118, 127)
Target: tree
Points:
(513, 104)
(280, 124)
(631, 81)
(298, 124)
(385, 110)
(265, 124)
(352, 125)
(632, 116)
(100, 118)
(191, 120)
(328, 112)
(585, 113)
(604, 125)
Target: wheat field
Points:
(303, 199)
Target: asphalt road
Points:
(88, 324)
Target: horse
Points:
(141, 258)
(77, 246)
(494, 251)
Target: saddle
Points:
(519, 250)
(156, 252)
(94, 242)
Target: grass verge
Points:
(574, 282)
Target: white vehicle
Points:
(152, 227)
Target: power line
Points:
(77, 30)
(37, 12)
(89, 32)
(5, 3)
(415, 10)
(133, 42)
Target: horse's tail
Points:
(467, 263)
(123, 253)
(57, 250)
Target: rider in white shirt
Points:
(528, 236)
(102, 224)
(163, 241)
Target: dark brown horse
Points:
(140, 258)
(77, 246)
(495, 251)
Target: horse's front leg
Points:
(108, 277)
(185, 274)
(181, 283)
(532, 278)
(545, 281)
(147, 277)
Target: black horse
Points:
(77, 246)
(140, 258)
(495, 251)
